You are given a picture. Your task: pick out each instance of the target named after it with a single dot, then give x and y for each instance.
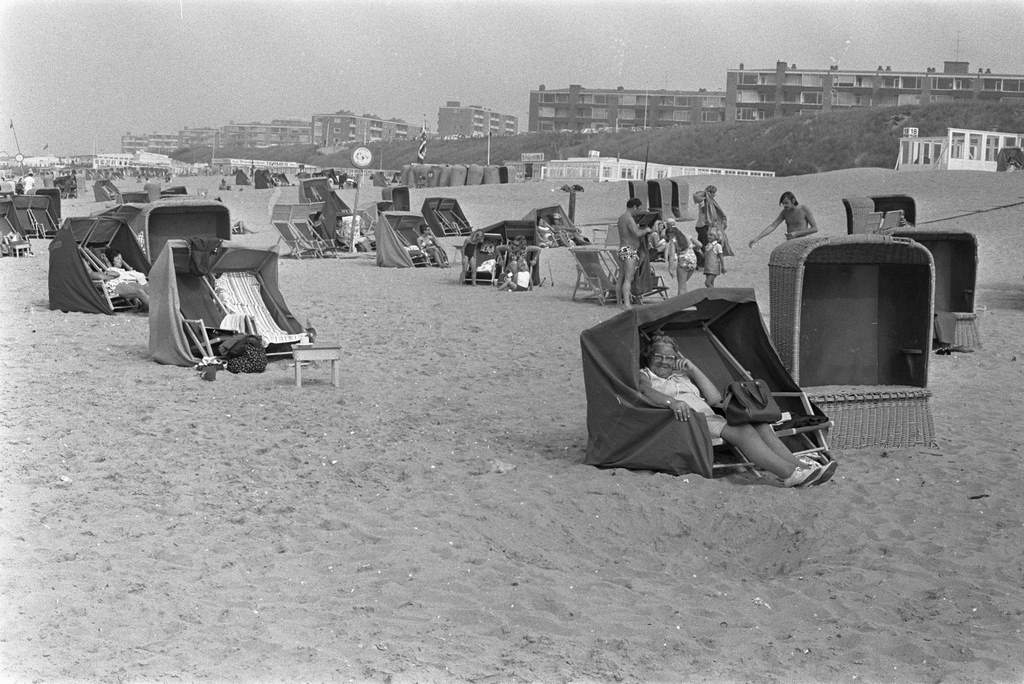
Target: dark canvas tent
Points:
(261, 180)
(316, 190)
(70, 287)
(241, 178)
(105, 191)
(565, 232)
(396, 233)
(180, 289)
(624, 429)
(1010, 159)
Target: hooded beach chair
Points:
(721, 330)
(396, 233)
(879, 214)
(851, 318)
(955, 255)
(445, 217)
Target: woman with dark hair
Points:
(799, 220)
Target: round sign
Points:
(362, 157)
(19, 157)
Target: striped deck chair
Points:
(240, 293)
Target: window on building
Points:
(1009, 141)
(747, 114)
(974, 150)
(561, 98)
(711, 116)
(749, 79)
(600, 99)
(942, 83)
(547, 98)
(627, 114)
(890, 82)
(1011, 85)
(681, 115)
(628, 100)
(583, 112)
(956, 150)
(599, 114)
(547, 126)
(910, 82)
(812, 97)
(585, 99)
(991, 147)
(712, 101)
(545, 112)
(991, 84)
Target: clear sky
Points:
(75, 74)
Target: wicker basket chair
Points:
(955, 254)
(851, 318)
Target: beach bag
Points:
(244, 354)
(750, 401)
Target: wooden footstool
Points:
(309, 352)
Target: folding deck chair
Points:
(596, 270)
(317, 244)
(240, 294)
(297, 244)
(94, 264)
(15, 245)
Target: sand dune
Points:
(433, 521)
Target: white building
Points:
(961, 149)
(598, 168)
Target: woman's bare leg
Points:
(757, 451)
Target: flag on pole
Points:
(12, 123)
(46, 145)
(421, 153)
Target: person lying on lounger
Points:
(121, 280)
(673, 381)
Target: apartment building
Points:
(761, 94)
(197, 137)
(277, 132)
(331, 131)
(594, 109)
(473, 121)
(163, 143)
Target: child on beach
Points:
(714, 263)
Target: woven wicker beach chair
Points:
(851, 318)
(955, 254)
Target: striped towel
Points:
(240, 293)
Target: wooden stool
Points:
(305, 352)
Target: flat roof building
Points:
(277, 132)
(473, 121)
(785, 90)
(588, 110)
(332, 131)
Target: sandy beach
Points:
(432, 520)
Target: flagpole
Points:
(488, 145)
(21, 163)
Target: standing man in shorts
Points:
(629, 245)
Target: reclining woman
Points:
(121, 280)
(671, 380)
(428, 245)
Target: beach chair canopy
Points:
(181, 288)
(105, 191)
(34, 216)
(866, 214)
(445, 217)
(174, 191)
(262, 180)
(398, 195)
(135, 196)
(853, 310)
(169, 219)
(720, 329)
(241, 178)
(54, 207)
(396, 233)
(9, 220)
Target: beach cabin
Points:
(960, 149)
